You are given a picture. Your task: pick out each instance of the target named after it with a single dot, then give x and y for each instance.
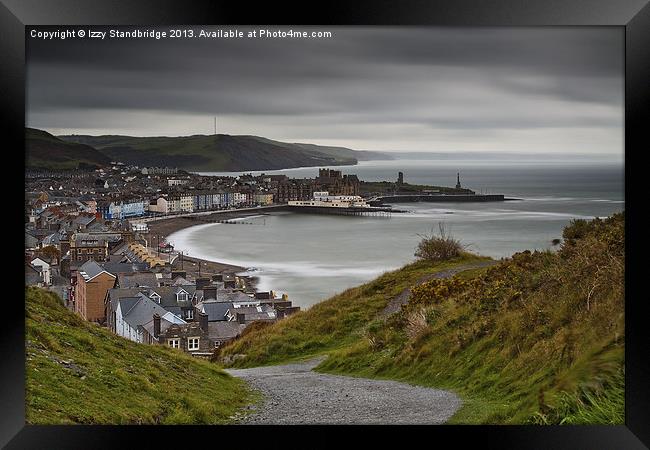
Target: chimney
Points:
(210, 293)
(156, 325)
(179, 273)
(203, 321)
(202, 283)
(241, 318)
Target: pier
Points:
(204, 219)
(350, 211)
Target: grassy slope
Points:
(223, 152)
(332, 324)
(46, 151)
(538, 338)
(80, 373)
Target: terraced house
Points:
(203, 201)
(180, 202)
(121, 209)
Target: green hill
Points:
(44, 151)
(536, 338)
(79, 373)
(218, 153)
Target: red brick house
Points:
(92, 284)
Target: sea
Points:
(312, 257)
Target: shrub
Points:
(439, 247)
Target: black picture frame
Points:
(632, 15)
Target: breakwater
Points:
(437, 198)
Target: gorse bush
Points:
(439, 247)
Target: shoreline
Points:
(199, 267)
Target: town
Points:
(88, 238)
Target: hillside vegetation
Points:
(79, 373)
(330, 324)
(44, 151)
(537, 338)
(218, 152)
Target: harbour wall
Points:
(438, 198)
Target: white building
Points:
(140, 227)
(237, 198)
(160, 205)
(176, 181)
(45, 270)
(323, 199)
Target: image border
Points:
(632, 16)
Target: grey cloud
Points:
(433, 78)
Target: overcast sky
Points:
(367, 88)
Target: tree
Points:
(51, 252)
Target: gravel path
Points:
(294, 394)
(396, 303)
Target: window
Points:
(189, 314)
(174, 343)
(193, 344)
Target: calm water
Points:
(311, 257)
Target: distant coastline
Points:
(217, 152)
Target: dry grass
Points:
(416, 323)
(439, 247)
